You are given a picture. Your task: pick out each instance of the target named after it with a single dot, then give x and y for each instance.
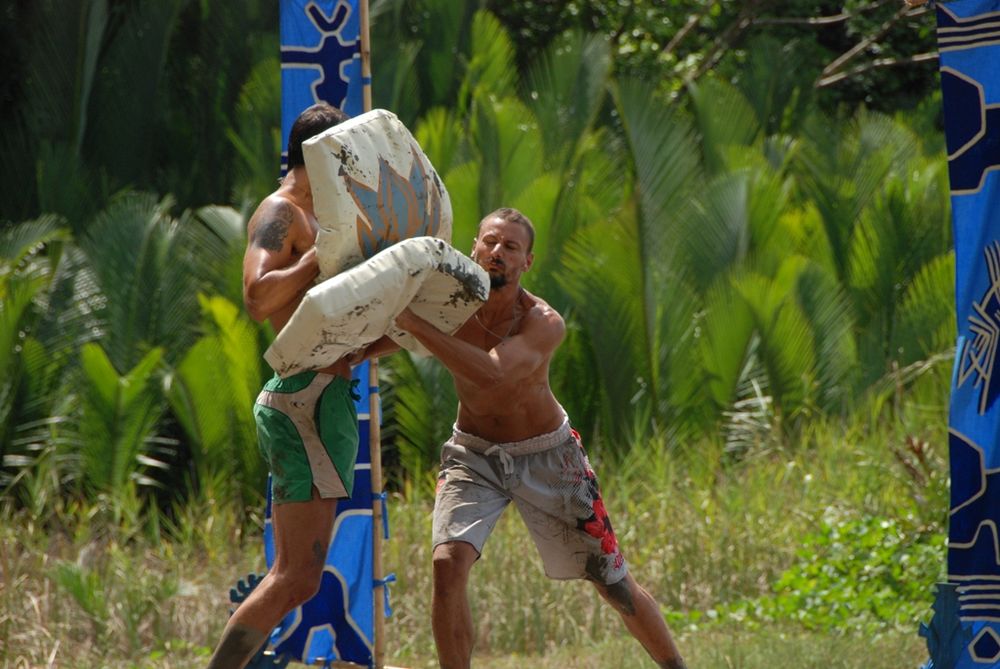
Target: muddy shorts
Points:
(551, 483)
(307, 430)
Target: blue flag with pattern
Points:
(969, 45)
(321, 61)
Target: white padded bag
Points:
(385, 224)
(372, 186)
(357, 306)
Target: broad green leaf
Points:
(724, 338)
(440, 136)
(118, 414)
(538, 202)
(212, 393)
(462, 183)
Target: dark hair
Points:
(312, 121)
(511, 215)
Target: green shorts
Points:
(307, 430)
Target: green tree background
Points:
(742, 243)
(742, 211)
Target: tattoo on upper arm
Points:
(273, 229)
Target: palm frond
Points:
(787, 346)
(775, 85)
(462, 182)
(212, 241)
(724, 118)
(118, 414)
(491, 71)
(564, 88)
(602, 277)
(149, 269)
(926, 320)
(844, 172)
(539, 201)
(716, 236)
(902, 230)
(255, 133)
(831, 318)
(726, 331)
(575, 379)
(667, 172)
(19, 241)
(506, 137)
(593, 188)
(421, 411)
(679, 375)
(440, 136)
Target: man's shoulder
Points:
(541, 313)
(537, 306)
(275, 204)
(279, 211)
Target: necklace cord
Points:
(513, 316)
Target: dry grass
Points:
(86, 588)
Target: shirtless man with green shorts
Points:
(312, 465)
(512, 442)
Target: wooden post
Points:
(366, 57)
(374, 409)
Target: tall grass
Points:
(710, 535)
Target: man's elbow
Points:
(254, 308)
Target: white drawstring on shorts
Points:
(506, 461)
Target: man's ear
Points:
(528, 261)
(472, 252)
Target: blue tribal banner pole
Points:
(321, 57)
(969, 47)
(324, 58)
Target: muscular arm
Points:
(384, 345)
(274, 274)
(510, 361)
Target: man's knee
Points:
(297, 587)
(622, 595)
(452, 562)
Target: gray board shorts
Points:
(553, 486)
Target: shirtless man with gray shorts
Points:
(512, 442)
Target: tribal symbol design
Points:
(978, 355)
(335, 51)
(973, 551)
(972, 133)
(399, 209)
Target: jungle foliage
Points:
(734, 255)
